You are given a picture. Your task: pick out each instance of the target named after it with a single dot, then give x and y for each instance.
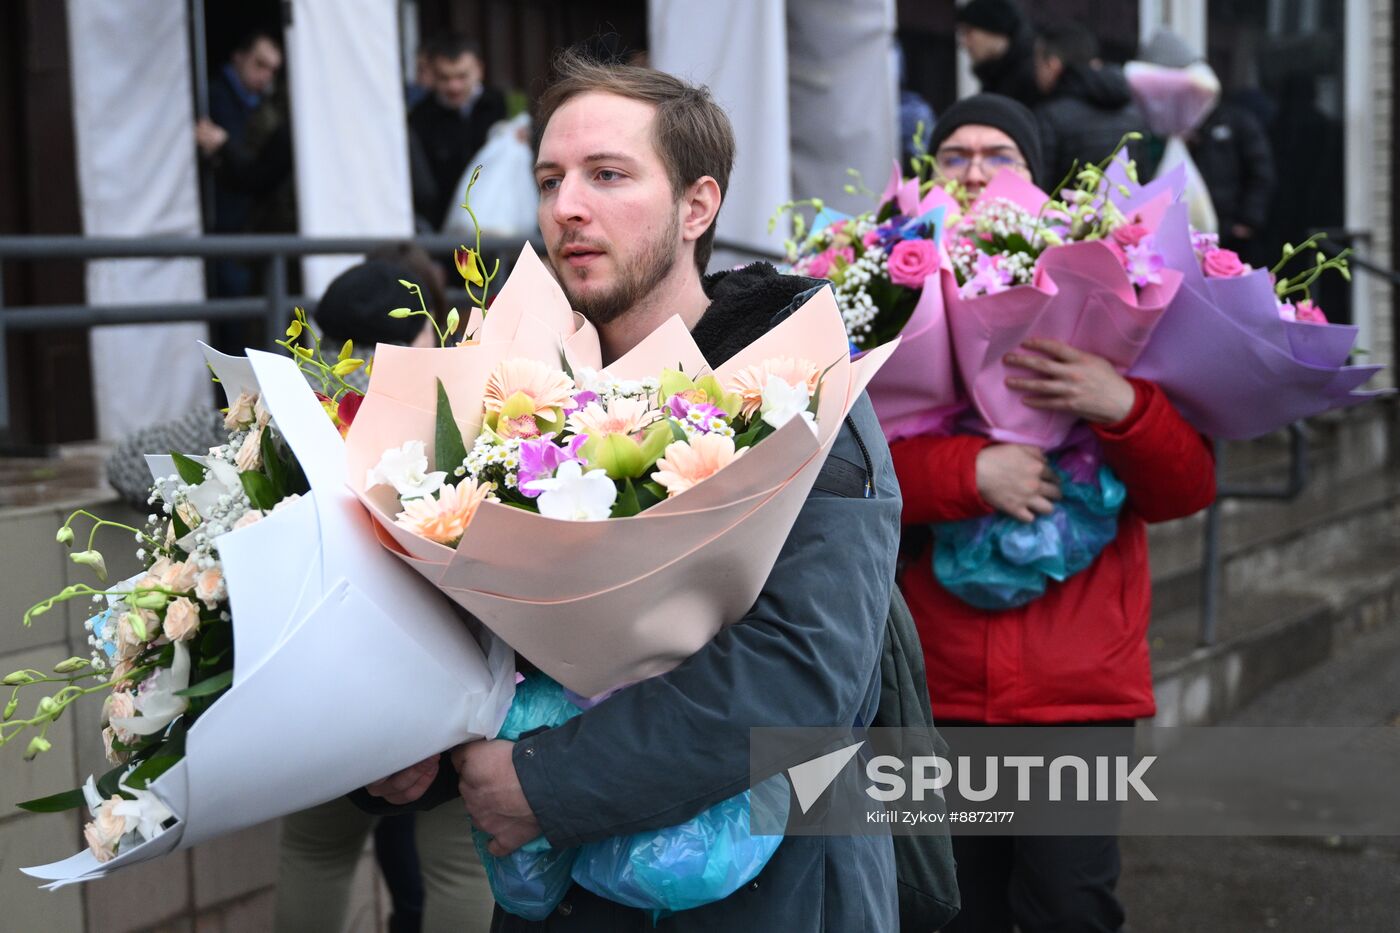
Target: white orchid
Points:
(783, 402)
(573, 495)
(406, 469)
(145, 814)
(220, 479)
(156, 700)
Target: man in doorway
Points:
(632, 168)
(450, 124)
(997, 36)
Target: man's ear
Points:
(698, 206)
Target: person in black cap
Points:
(999, 39)
(1088, 105)
(982, 136)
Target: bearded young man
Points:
(632, 168)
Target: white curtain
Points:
(348, 125)
(844, 97)
(134, 126)
(739, 49)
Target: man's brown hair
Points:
(691, 132)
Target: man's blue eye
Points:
(608, 174)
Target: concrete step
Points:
(1352, 493)
(1269, 634)
(1263, 540)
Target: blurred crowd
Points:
(1083, 106)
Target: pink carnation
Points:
(1223, 264)
(912, 261)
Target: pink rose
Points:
(819, 265)
(209, 587)
(1223, 264)
(1130, 234)
(181, 619)
(1309, 312)
(912, 261)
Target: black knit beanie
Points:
(1002, 17)
(356, 305)
(1010, 116)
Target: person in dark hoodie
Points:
(1088, 106)
(632, 167)
(999, 39)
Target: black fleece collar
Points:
(744, 305)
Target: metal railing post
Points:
(1210, 562)
(274, 324)
(4, 367)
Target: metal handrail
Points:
(1210, 562)
(1297, 470)
(272, 306)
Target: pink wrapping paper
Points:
(600, 604)
(1081, 297)
(917, 392)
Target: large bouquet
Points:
(886, 267)
(606, 521)
(1110, 267)
(261, 570)
(1242, 351)
(594, 551)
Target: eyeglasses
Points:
(959, 161)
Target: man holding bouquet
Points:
(1077, 653)
(632, 168)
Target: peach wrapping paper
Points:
(597, 605)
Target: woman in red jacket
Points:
(1078, 653)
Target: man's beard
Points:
(635, 281)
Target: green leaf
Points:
(259, 489)
(449, 450)
(107, 784)
(191, 472)
(649, 494)
(626, 505)
(150, 769)
(208, 685)
(181, 529)
(272, 465)
(55, 803)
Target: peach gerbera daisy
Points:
(621, 416)
(546, 387)
(750, 381)
(686, 463)
(445, 518)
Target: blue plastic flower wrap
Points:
(701, 861)
(998, 562)
(532, 880)
(698, 862)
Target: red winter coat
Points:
(1079, 652)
